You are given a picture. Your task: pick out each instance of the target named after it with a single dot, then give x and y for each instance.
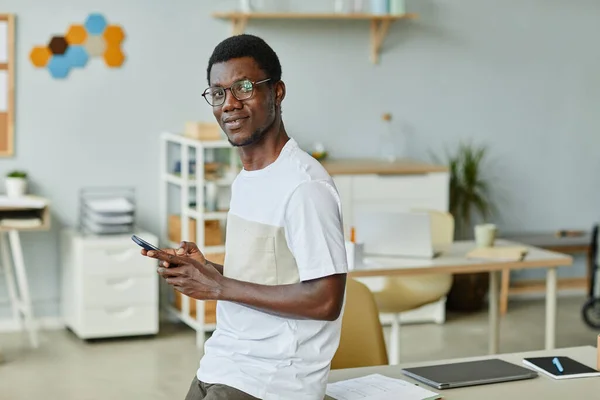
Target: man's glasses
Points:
(241, 90)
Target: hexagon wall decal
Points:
(114, 35)
(76, 56)
(59, 66)
(76, 34)
(58, 45)
(94, 38)
(95, 46)
(95, 24)
(40, 55)
(114, 57)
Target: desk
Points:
(542, 387)
(22, 209)
(454, 261)
(568, 244)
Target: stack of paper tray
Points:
(107, 212)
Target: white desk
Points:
(542, 387)
(454, 261)
(10, 243)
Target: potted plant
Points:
(16, 183)
(469, 199)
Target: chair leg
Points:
(394, 355)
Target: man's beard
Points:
(259, 133)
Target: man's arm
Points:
(319, 299)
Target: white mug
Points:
(485, 235)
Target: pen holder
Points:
(354, 255)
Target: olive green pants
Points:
(204, 391)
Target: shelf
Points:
(207, 144)
(177, 180)
(380, 24)
(208, 215)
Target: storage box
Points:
(213, 234)
(203, 131)
(210, 306)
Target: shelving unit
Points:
(380, 24)
(175, 147)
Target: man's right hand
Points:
(189, 249)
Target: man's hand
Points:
(191, 275)
(189, 249)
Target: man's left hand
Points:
(196, 279)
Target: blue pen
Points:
(558, 365)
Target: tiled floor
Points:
(66, 368)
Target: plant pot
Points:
(16, 187)
(468, 292)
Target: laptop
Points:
(469, 373)
(395, 234)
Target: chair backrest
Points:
(442, 228)
(362, 343)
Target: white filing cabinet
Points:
(108, 288)
(395, 192)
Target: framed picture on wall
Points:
(7, 84)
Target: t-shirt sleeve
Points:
(314, 232)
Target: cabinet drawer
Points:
(392, 187)
(120, 289)
(116, 259)
(119, 321)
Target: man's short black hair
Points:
(247, 46)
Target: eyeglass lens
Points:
(241, 90)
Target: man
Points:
(281, 291)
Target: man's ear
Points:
(279, 93)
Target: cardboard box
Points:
(203, 131)
(213, 234)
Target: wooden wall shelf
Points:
(380, 24)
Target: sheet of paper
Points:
(3, 91)
(3, 42)
(377, 387)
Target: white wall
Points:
(522, 76)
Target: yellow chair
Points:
(361, 343)
(395, 295)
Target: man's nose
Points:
(231, 103)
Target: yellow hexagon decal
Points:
(76, 34)
(40, 55)
(114, 35)
(114, 57)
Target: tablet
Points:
(469, 373)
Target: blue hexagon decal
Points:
(77, 56)
(95, 24)
(59, 66)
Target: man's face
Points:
(244, 121)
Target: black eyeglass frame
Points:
(254, 83)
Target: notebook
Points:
(571, 368)
(469, 373)
(378, 387)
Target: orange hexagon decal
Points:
(76, 34)
(114, 57)
(114, 35)
(40, 55)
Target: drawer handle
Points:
(120, 283)
(120, 312)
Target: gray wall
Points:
(521, 76)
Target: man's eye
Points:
(218, 93)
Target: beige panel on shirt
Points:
(258, 253)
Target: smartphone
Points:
(142, 243)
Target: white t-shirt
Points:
(284, 227)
